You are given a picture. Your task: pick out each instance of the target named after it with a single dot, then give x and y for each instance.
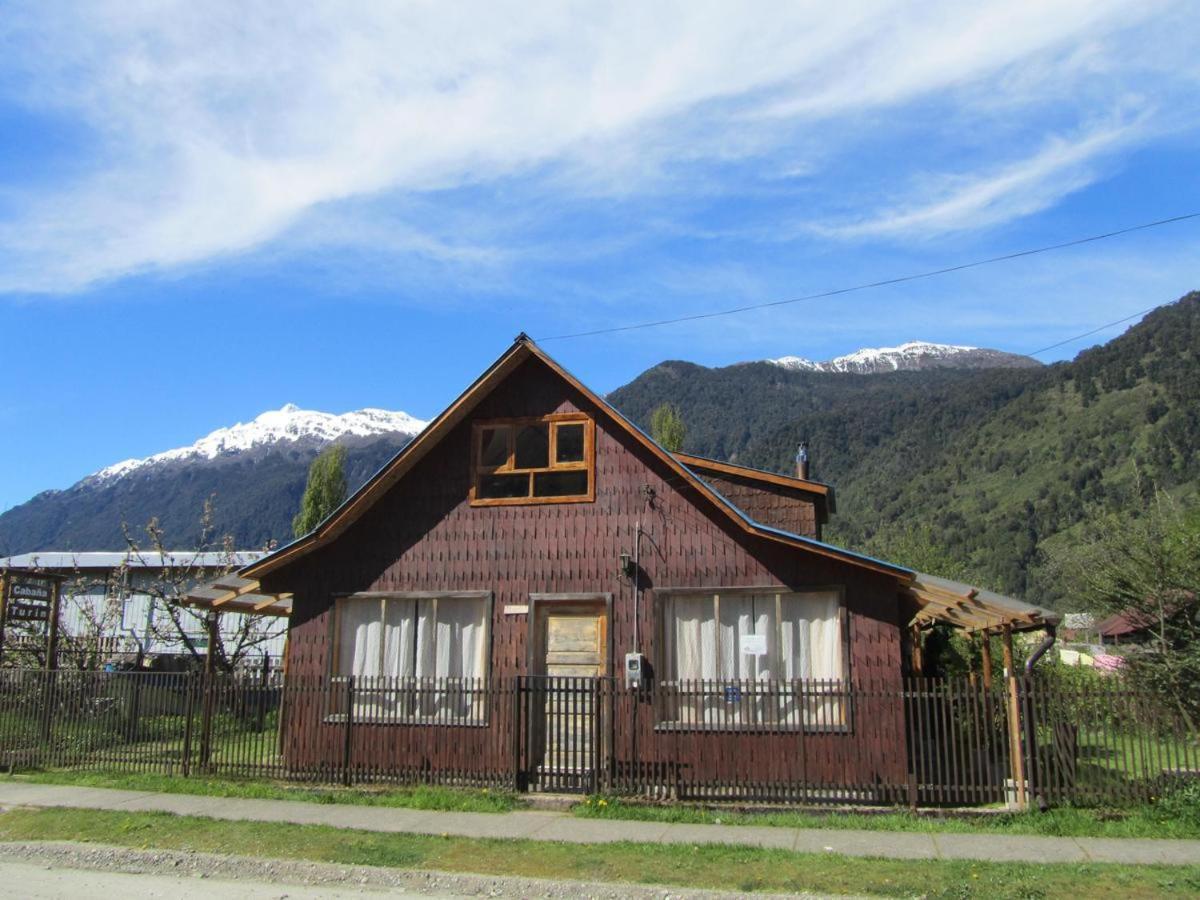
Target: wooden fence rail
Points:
(914, 741)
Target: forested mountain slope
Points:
(998, 462)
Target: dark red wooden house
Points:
(483, 595)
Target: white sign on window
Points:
(754, 644)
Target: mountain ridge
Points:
(996, 465)
(254, 473)
(907, 357)
(289, 423)
(996, 462)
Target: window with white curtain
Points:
(741, 658)
(415, 657)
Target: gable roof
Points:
(769, 480)
(524, 349)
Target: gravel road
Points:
(60, 869)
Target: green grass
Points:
(714, 867)
(1139, 822)
(418, 797)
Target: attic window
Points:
(537, 460)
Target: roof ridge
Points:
(522, 348)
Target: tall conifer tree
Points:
(325, 491)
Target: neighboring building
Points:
(532, 530)
(1079, 628)
(112, 601)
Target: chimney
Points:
(802, 461)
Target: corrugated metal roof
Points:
(114, 559)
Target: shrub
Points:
(1181, 802)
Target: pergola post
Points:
(971, 659)
(986, 659)
(1016, 756)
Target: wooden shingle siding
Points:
(778, 507)
(424, 535)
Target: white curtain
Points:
(744, 642)
(694, 634)
(812, 638)
(425, 645)
(359, 638)
(812, 650)
(382, 641)
(747, 627)
(460, 655)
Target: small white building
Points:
(114, 603)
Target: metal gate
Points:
(564, 728)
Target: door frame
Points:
(539, 604)
(535, 651)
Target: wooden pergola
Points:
(973, 609)
(982, 614)
(233, 593)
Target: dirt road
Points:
(37, 882)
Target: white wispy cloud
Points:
(215, 128)
(958, 202)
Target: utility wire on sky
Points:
(888, 281)
(1080, 337)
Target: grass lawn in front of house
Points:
(699, 866)
(430, 797)
(1135, 822)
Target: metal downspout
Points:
(1046, 644)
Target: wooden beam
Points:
(250, 587)
(714, 465)
(272, 600)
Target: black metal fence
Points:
(916, 741)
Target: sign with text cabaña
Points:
(29, 599)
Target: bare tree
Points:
(179, 572)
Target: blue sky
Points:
(206, 212)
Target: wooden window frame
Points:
(552, 421)
(663, 664)
(410, 720)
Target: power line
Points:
(875, 284)
(1080, 337)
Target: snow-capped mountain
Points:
(247, 478)
(913, 356)
(285, 425)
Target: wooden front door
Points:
(572, 656)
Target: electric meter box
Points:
(635, 670)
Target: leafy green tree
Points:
(666, 427)
(947, 652)
(325, 491)
(1145, 564)
(917, 547)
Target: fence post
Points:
(347, 743)
(610, 749)
(135, 703)
(516, 733)
(189, 709)
(264, 679)
(46, 724)
(1015, 751)
(206, 715)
